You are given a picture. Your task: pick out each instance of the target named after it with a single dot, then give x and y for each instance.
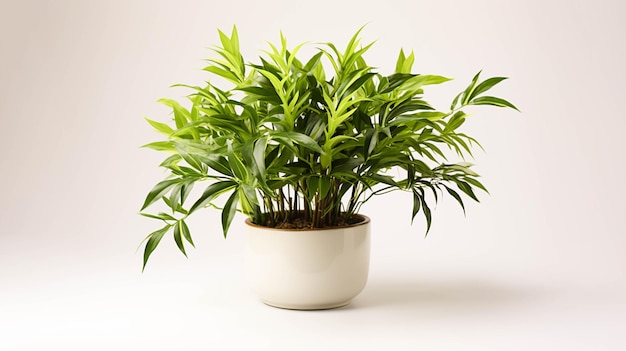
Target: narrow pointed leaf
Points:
(468, 91)
(467, 189)
(236, 164)
(219, 164)
(259, 156)
(416, 205)
(324, 186)
(160, 146)
(455, 101)
(222, 73)
(358, 83)
(400, 62)
(493, 101)
(300, 139)
(178, 239)
(211, 192)
(162, 216)
(427, 214)
(158, 191)
(153, 241)
(161, 127)
(457, 197)
(181, 115)
(477, 184)
(185, 231)
(485, 85)
(228, 213)
(178, 208)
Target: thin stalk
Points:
(323, 212)
(291, 213)
(295, 198)
(270, 211)
(305, 202)
(353, 198)
(281, 203)
(336, 198)
(316, 211)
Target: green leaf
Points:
(416, 205)
(174, 197)
(153, 241)
(422, 80)
(170, 161)
(162, 216)
(234, 40)
(455, 101)
(161, 127)
(181, 115)
(186, 234)
(313, 61)
(422, 168)
(324, 186)
(468, 91)
(427, 214)
(358, 83)
(455, 122)
(346, 165)
(176, 207)
(400, 62)
(190, 159)
(186, 190)
(404, 63)
(431, 115)
(476, 183)
(259, 156)
(493, 101)
(486, 85)
(158, 191)
(381, 178)
(408, 63)
(225, 41)
(211, 192)
(219, 164)
(160, 146)
(337, 139)
(467, 189)
(236, 164)
(313, 184)
(390, 83)
(300, 139)
(178, 238)
(228, 213)
(457, 197)
(464, 145)
(370, 141)
(229, 75)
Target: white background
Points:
(538, 265)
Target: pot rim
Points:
(364, 221)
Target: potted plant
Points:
(298, 146)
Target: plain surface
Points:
(538, 265)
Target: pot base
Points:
(307, 307)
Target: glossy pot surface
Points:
(308, 269)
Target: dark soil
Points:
(299, 223)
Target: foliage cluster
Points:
(310, 141)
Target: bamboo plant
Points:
(294, 143)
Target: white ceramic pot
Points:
(308, 269)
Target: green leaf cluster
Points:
(310, 140)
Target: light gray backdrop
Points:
(539, 264)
